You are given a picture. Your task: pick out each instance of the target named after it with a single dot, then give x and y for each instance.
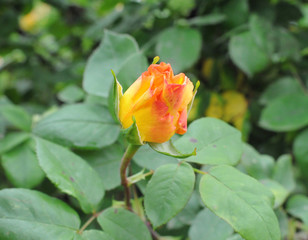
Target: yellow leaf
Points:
(238, 122)
(207, 67)
(215, 108)
(235, 108)
(38, 13)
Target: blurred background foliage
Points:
(250, 56)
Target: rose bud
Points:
(158, 102)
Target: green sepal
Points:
(132, 134)
(155, 60)
(114, 98)
(167, 148)
(193, 98)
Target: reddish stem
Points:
(128, 155)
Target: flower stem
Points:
(128, 155)
(154, 234)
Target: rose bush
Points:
(61, 144)
(158, 101)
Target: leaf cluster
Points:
(61, 147)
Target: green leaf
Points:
(277, 43)
(207, 226)
(167, 148)
(27, 215)
(107, 163)
(3, 122)
(210, 19)
(180, 7)
(263, 34)
(282, 87)
(71, 174)
(148, 158)
(80, 126)
(216, 142)
(301, 152)
(188, 214)
(113, 52)
(96, 100)
(184, 53)
(283, 172)
(256, 165)
(303, 22)
(71, 94)
(288, 46)
(92, 235)
(279, 191)
(297, 206)
(21, 166)
(237, 12)
(235, 237)
(168, 192)
(286, 113)
(121, 224)
(17, 116)
(135, 65)
(246, 54)
(283, 222)
(240, 200)
(12, 140)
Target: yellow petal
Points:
(154, 123)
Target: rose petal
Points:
(182, 123)
(154, 122)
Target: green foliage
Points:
(71, 174)
(122, 224)
(168, 192)
(169, 149)
(232, 195)
(114, 52)
(37, 216)
(71, 94)
(17, 116)
(282, 87)
(80, 126)
(241, 170)
(148, 158)
(107, 163)
(246, 54)
(177, 55)
(297, 206)
(12, 140)
(256, 165)
(21, 166)
(283, 172)
(92, 235)
(286, 113)
(301, 151)
(280, 193)
(216, 142)
(217, 229)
